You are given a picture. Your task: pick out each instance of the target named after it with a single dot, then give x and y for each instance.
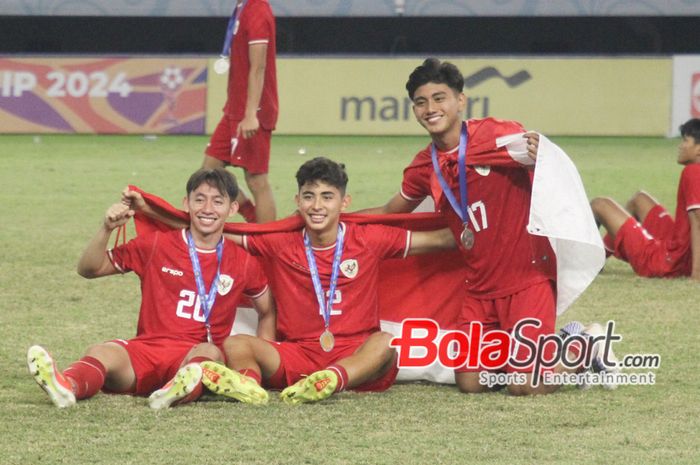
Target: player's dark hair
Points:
(691, 128)
(218, 178)
(435, 71)
(321, 169)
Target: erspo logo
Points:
(389, 108)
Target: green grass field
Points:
(56, 189)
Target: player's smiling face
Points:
(438, 108)
(688, 151)
(320, 205)
(208, 209)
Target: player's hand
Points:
(117, 215)
(533, 143)
(133, 199)
(248, 127)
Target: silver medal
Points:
(221, 65)
(467, 238)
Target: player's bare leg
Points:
(373, 359)
(609, 213)
(259, 186)
(640, 204)
(120, 376)
(246, 208)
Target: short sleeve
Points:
(135, 254)
(387, 241)
(257, 280)
(690, 186)
(259, 20)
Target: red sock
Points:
(197, 391)
(247, 211)
(87, 376)
(250, 373)
(342, 377)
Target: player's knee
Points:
(468, 383)
(207, 350)
(257, 182)
(600, 204)
(235, 346)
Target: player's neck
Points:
(325, 238)
(448, 140)
(205, 241)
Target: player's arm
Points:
(397, 204)
(257, 57)
(135, 201)
(431, 241)
(267, 315)
(94, 262)
(694, 220)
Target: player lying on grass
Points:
(484, 190)
(324, 278)
(645, 235)
(191, 282)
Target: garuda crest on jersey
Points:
(225, 284)
(350, 268)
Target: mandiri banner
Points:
(106, 95)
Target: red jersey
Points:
(256, 25)
(505, 258)
(355, 311)
(688, 199)
(170, 305)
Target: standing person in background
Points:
(242, 137)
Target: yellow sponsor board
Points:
(557, 96)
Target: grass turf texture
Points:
(55, 190)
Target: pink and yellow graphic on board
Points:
(103, 95)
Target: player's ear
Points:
(186, 204)
(297, 199)
(462, 102)
(346, 202)
(233, 208)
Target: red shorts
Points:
(644, 245)
(155, 360)
(251, 154)
(300, 359)
(537, 301)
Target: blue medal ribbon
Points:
(206, 299)
(231, 29)
(326, 306)
(461, 207)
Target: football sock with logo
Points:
(342, 376)
(247, 211)
(87, 376)
(250, 373)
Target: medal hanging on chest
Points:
(222, 64)
(327, 340)
(206, 299)
(461, 208)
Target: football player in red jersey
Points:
(242, 137)
(325, 282)
(645, 234)
(191, 282)
(484, 192)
